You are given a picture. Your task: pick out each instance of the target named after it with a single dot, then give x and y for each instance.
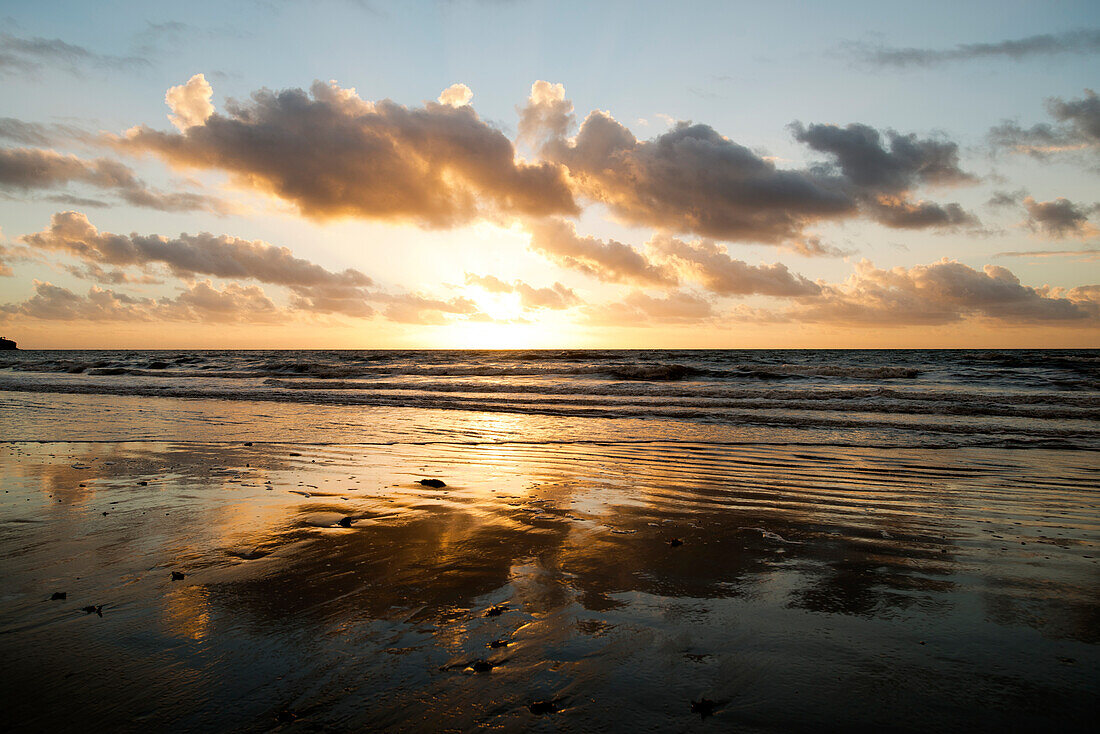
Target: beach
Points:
(623, 542)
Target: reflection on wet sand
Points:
(809, 589)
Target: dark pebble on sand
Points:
(143, 484)
(177, 576)
(247, 443)
(542, 707)
(58, 595)
(496, 610)
(498, 643)
(93, 610)
(481, 666)
(434, 483)
(675, 542)
(345, 522)
(286, 716)
(704, 707)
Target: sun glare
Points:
(499, 335)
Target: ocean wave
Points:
(898, 421)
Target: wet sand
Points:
(813, 588)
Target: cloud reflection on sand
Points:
(804, 580)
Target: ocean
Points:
(938, 398)
(764, 541)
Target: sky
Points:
(518, 174)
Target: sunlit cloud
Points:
(1086, 255)
(556, 297)
(708, 264)
(641, 309)
(333, 154)
(33, 169)
(199, 302)
(190, 103)
(943, 292)
(610, 261)
(456, 95)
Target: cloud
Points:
(114, 276)
(199, 302)
(904, 162)
(902, 213)
(943, 292)
(234, 302)
(610, 261)
(489, 283)
(692, 179)
(190, 103)
(1060, 218)
(26, 169)
(639, 309)
(707, 263)
(21, 55)
(335, 155)
(105, 257)
(1077, 129)
(417, 309)
(885, 172)
(7, 256)
(222, 256)
(456, 95)
(555, 297)
(36, 133)
(1086, 255)
(547, 114)
(1084, 41)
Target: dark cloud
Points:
(77, 201)
(21, 55)
(335, 155)
(1060, 218)
(37, 133)
(940, 293)
(1005, 199)
(199, 302)
(900, 213)
(885, 171)
(692, 179)
(555, 297)
(610, 261)
(892, 165)
(26, 169)
(708, 264)
(1077, 129)
(1084, 41)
